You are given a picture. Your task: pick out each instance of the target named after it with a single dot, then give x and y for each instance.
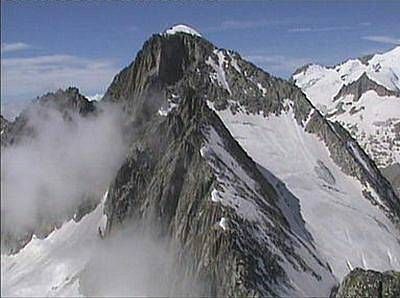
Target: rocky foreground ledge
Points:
(368, 283)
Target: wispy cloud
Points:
(278, 64)
(33, 76)
(328, 28)
(133, 28)
(320, 29)
(243, 24)
(382, 39)
(12, 47)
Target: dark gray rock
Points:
(362, 85)
(369, 283)
(392, 173)
(165, 181)
(67, 102)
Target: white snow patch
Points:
(96, 97)
(262, 89)
(223, 223)
(165, 111)
(182, 29)
(215, 196)
(50, 267)
(333, 215)
(219, 70)
(234, 63)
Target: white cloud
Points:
(382, 39)
(320, 29)
(25, 78)
(12, 47)
(245, 24)
(329, 28)
(278, 63)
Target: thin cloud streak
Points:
(321, 29)
(13, 47)
(382, 39)
(328, 28)
(244, 24)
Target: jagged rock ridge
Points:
(168, 65)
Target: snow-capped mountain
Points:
(364, 96)
(261, 193)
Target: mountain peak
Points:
(182, 28)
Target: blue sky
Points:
(46, 45)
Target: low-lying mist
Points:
(66, 161)
(50, 174)
(134, 263)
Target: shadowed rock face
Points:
(392, 173)
(4, 127)
(67, 102)
(165, 181)
(369, 283)
(362, 85)
(157, 77)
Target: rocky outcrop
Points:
(369, 283)
(4, 127)
(152, 82)
(170, 182)
(67, 102)
(166, 182)
(392, 173)
(362, 85)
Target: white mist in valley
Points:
(65, 161)
(50, 174)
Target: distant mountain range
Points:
(363, 95)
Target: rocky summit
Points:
(258, 191)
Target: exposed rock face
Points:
(166, 180)
(369, 283)
(168, 64)
(362, 85)
(67, 102)
(4, 127)
(393, 174)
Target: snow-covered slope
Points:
(50, 267)
(347, 230)
(322, 83)
(364, 96)
(333, 203)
